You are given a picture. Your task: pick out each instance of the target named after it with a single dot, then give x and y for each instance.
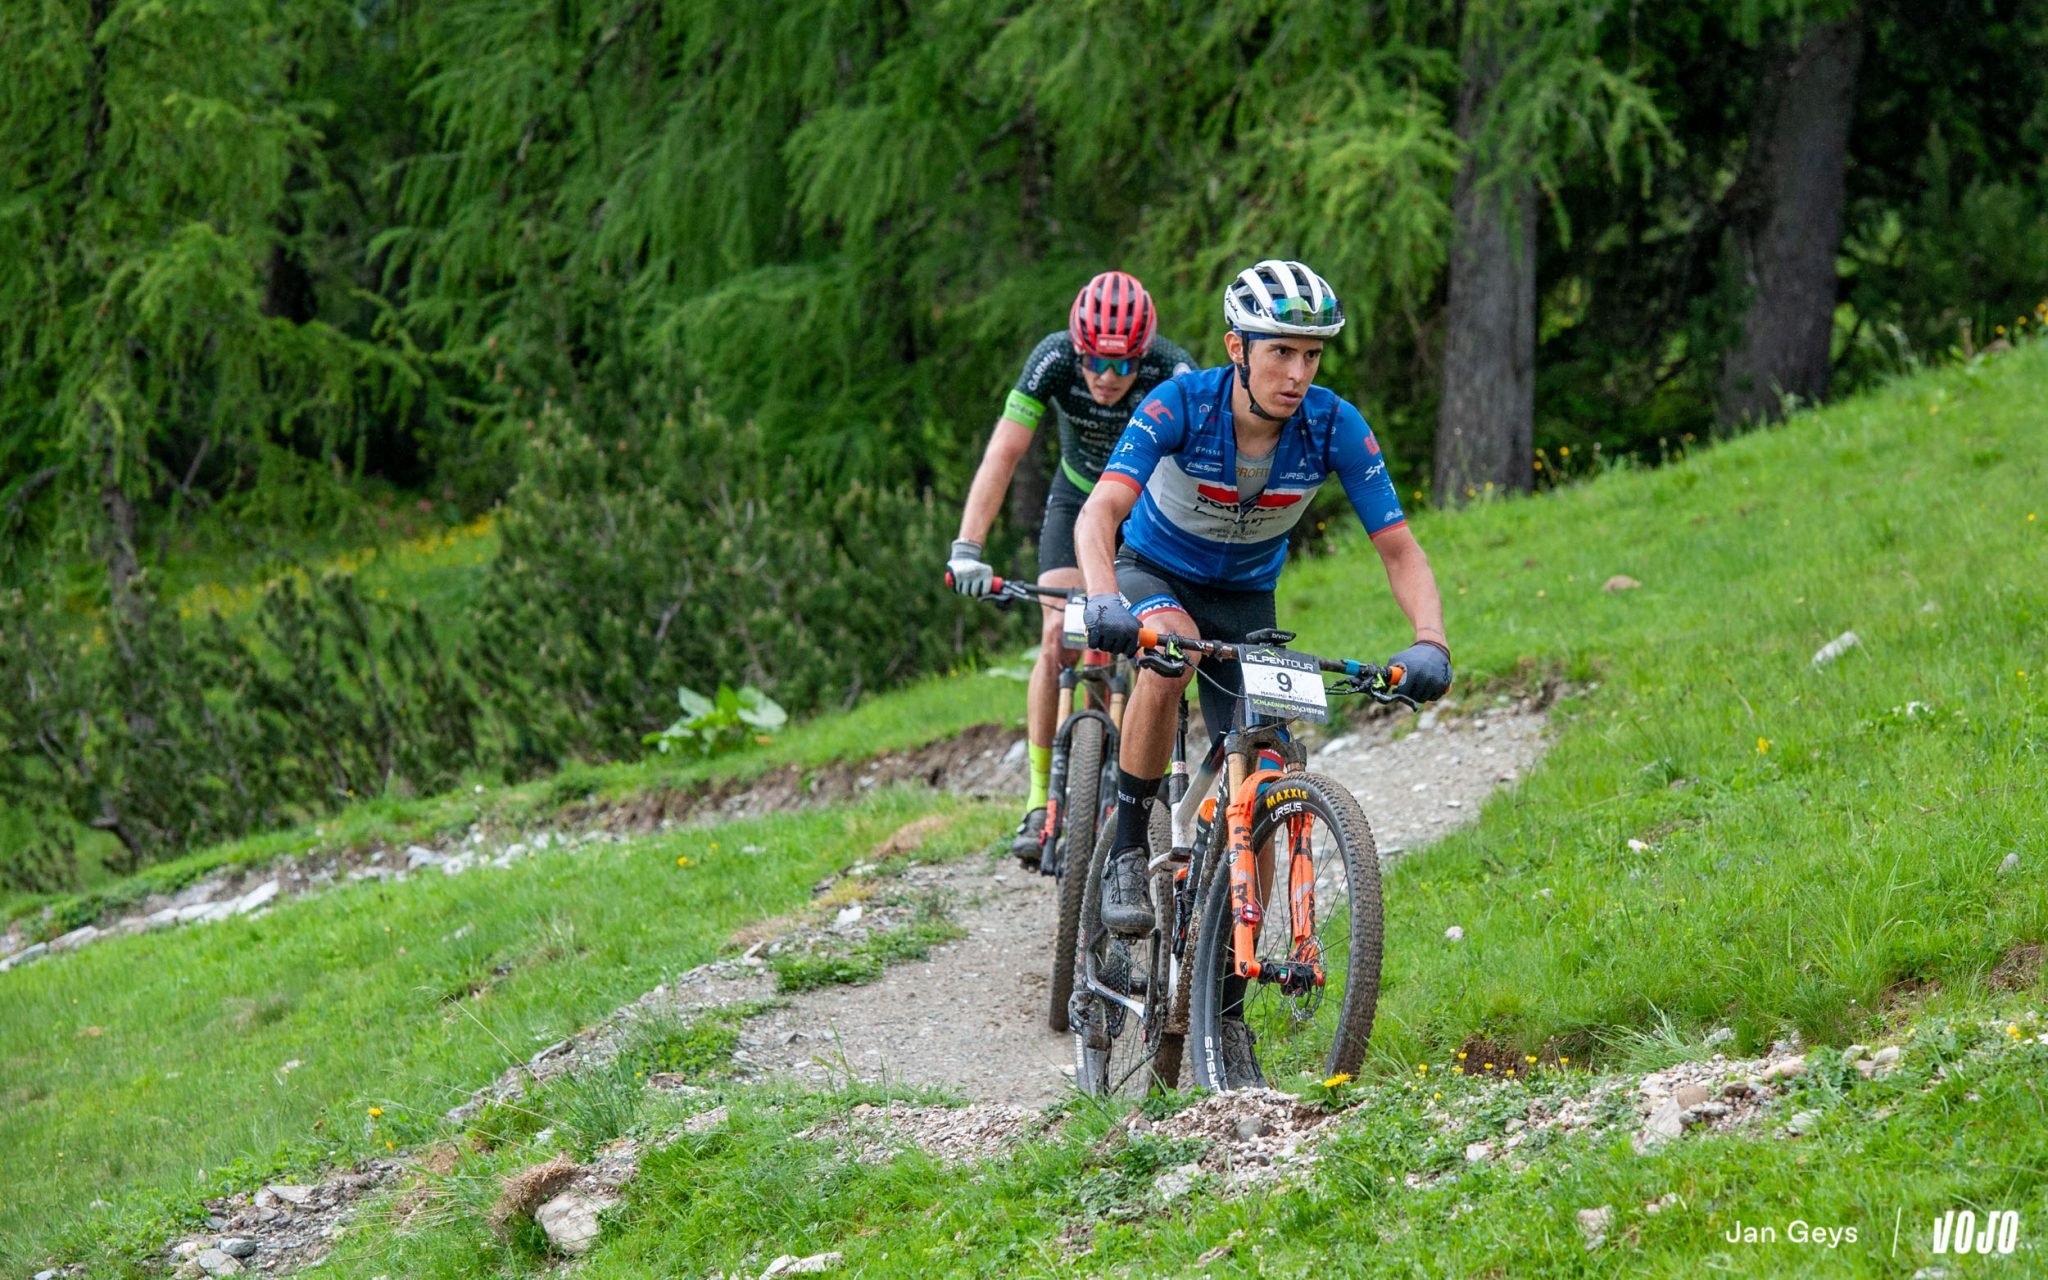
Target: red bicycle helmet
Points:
(1112, 316)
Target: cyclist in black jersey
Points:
(1091, 377)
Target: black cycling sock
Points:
(1133, 799)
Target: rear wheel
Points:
(1325, 867)
(1081, 811)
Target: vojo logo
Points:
(1959, 1231)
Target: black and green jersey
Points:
(1088, 431)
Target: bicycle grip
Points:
(1396, 674)
(1148, 638)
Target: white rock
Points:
(260, 895)
(1784, 1069)
(291, 1193)
(1667, 1121)
(420, 856)
(1015, 755)
(1454, 934)
(1475, 1152)
(1176, 1182)
(789, 1264)
(1803, 1123)
(1835, 648)
(1886, 1056)
(76, 938)
(1593, 1225)
(570, 1220)
(848, 914)
(2010, 865)
(214, 1262)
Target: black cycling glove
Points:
(1112, 627)
(1426, 671)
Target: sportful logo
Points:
(1156, 411)
(1958, 1231)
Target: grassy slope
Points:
(1819, 850)
(138, 1062)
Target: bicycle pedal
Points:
(1171, 858)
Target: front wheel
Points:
(1081, 812)
(1323, 907)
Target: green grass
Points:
(1810, 846)
(1959, 1125)
(149, 1070)
(1816, 853)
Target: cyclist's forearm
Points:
(1006, 445)
(1414, 585)
(1095, 531)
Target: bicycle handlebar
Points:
(1365, 677)
(1011, 589)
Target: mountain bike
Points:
(1197, 988)
(1081, 789)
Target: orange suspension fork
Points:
(1245, 910)
(1301, 902)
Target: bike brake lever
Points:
(1171, 667)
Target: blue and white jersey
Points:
(1180, 453)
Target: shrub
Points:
(683, 554)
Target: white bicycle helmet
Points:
(1278, 296)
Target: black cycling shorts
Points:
(1063, 502)
(1219, 614)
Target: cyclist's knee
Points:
(1052, 646)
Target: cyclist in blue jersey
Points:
(1214, 470)
(1091, 375)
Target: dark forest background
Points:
(711, 306)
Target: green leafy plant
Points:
(714, 726)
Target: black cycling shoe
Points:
(1126, 904)
(1025, 845)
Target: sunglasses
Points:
(1104, 364)
(1301, 311)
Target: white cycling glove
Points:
(971, 575)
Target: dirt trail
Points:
(972, 1017)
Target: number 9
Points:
(1285, 681)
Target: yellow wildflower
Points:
(1342, 1077)
(1763, 746)
(375, 1112)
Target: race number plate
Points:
(1280, 683)
(1077, 625)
